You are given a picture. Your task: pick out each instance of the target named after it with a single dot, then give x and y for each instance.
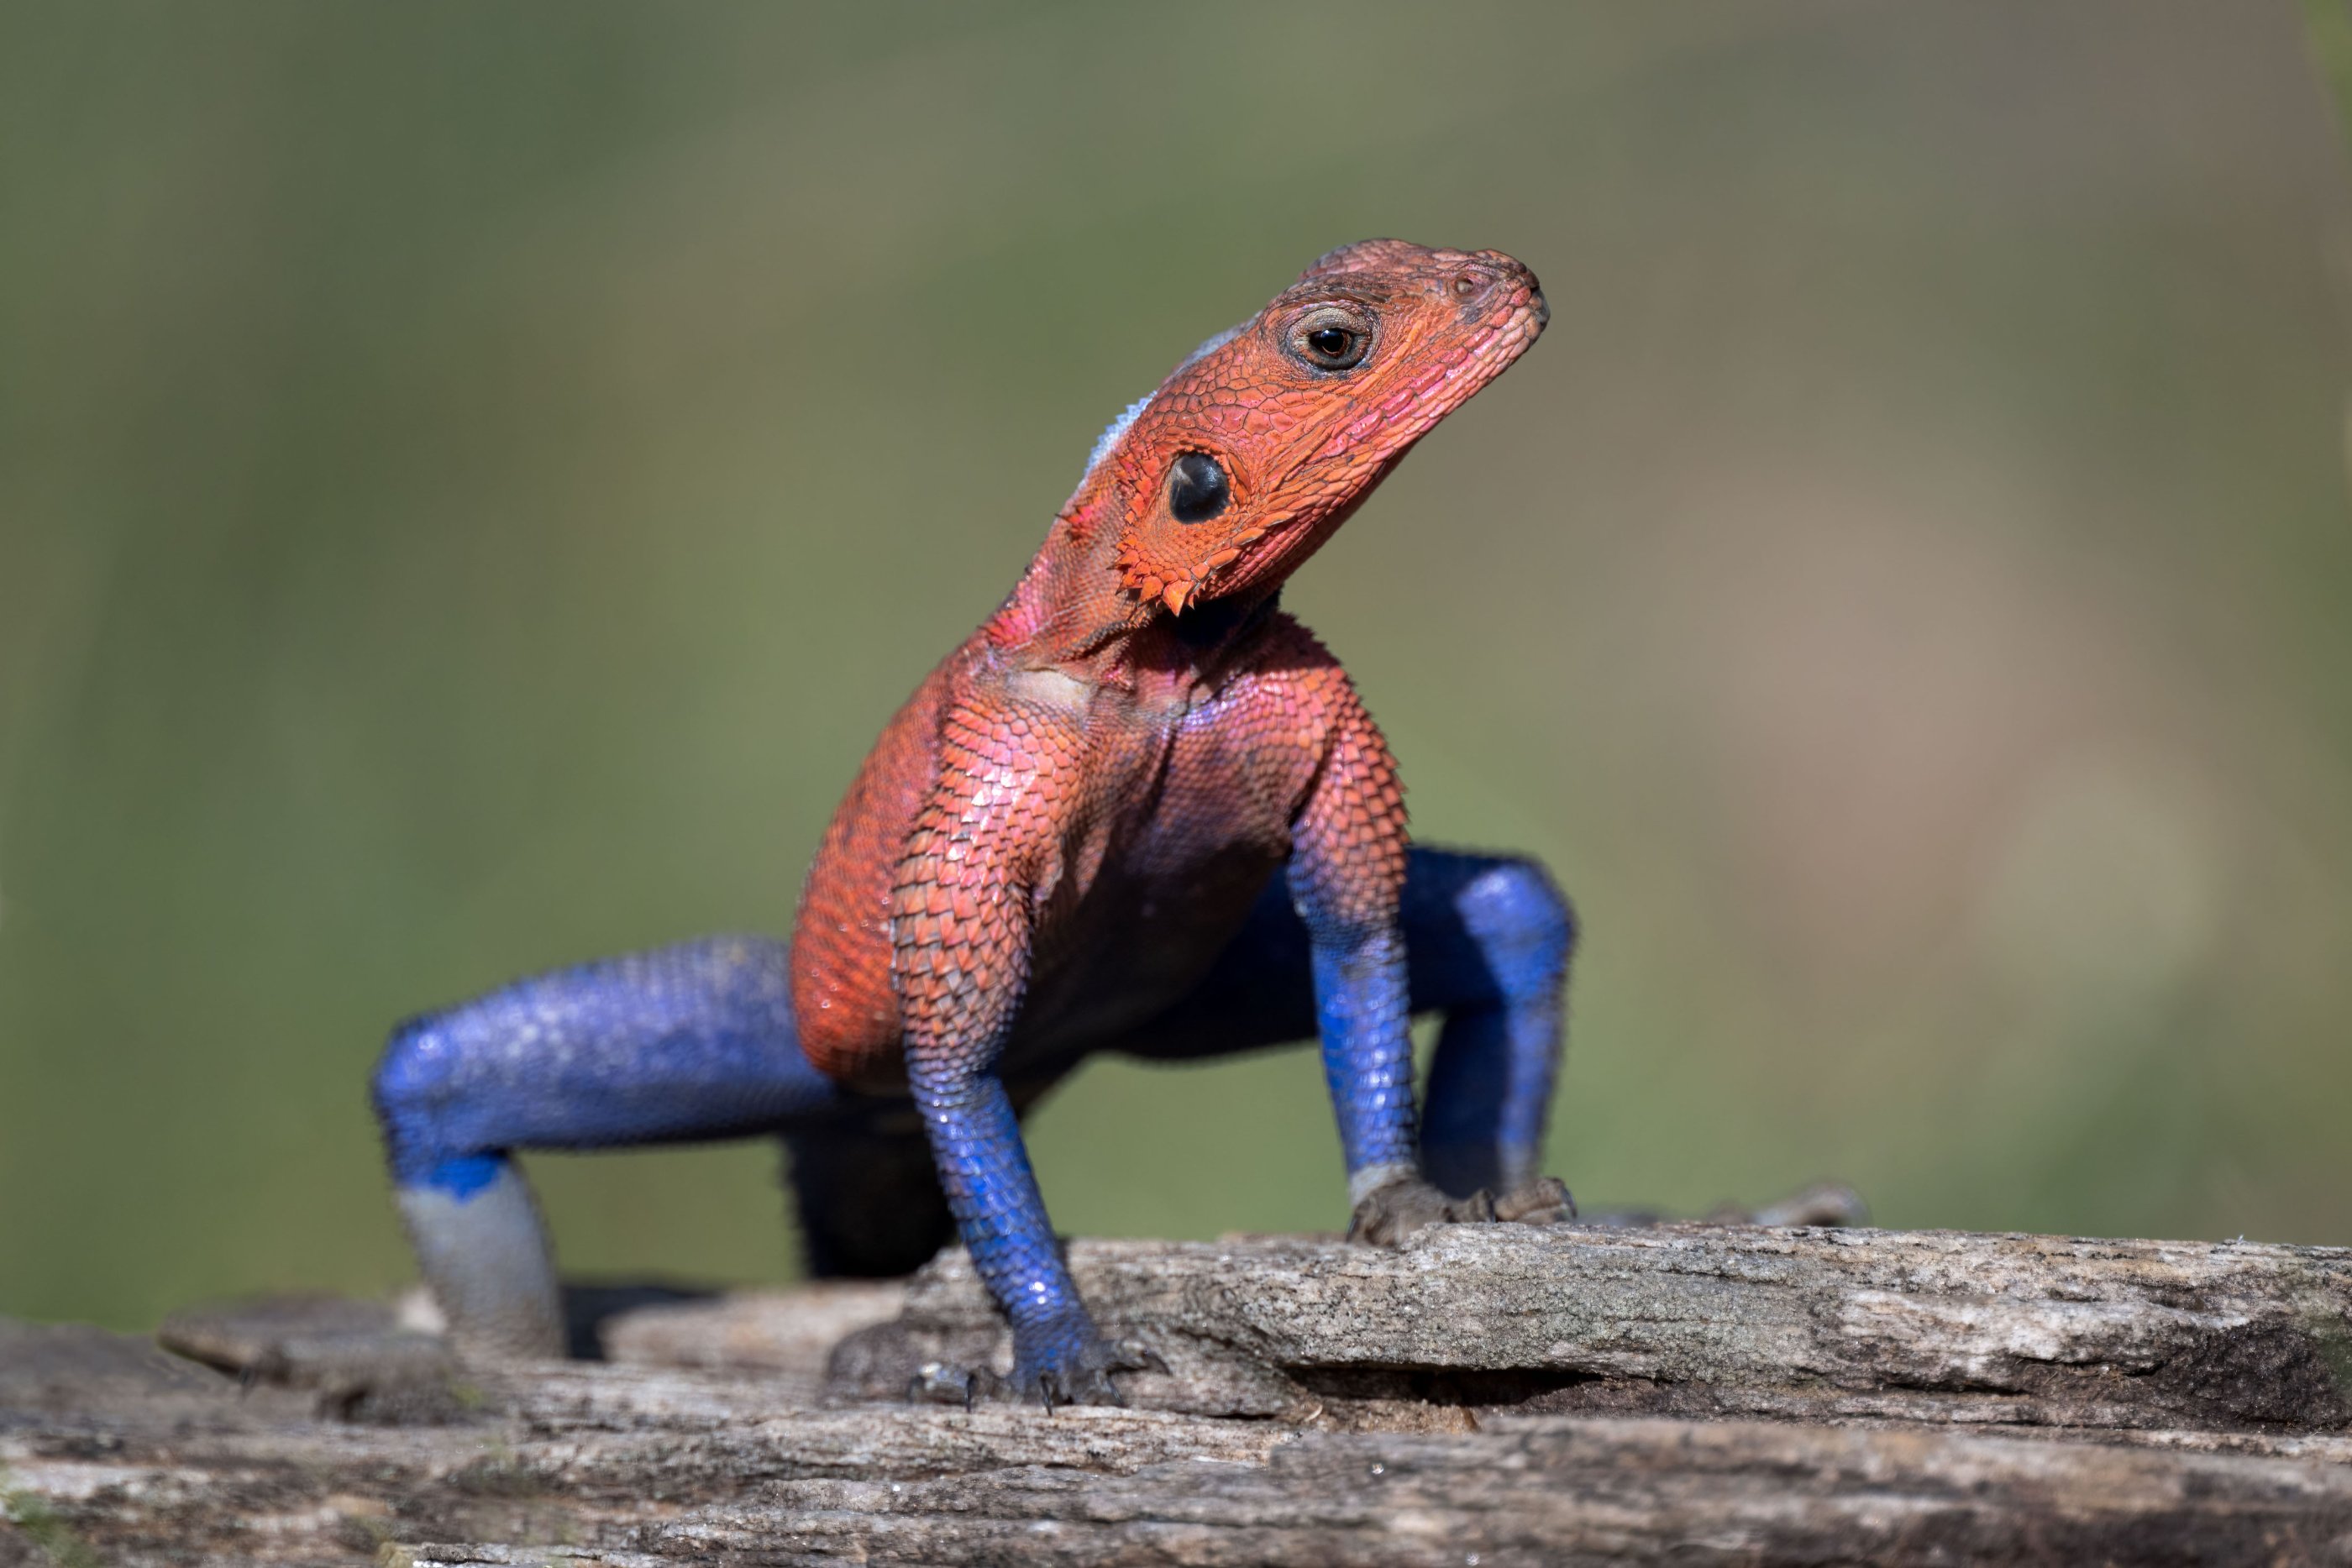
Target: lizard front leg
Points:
(1347, 877)
(962, 919)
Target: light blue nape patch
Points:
(1114, 430)
(1211, 345)
(1119, 426)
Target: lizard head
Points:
(1264, 441)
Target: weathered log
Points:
(1700, 1320)
(1487, 1394)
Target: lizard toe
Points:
(1543, 1201)
(940, 1383)
(1389, 1214)
(1083, 1376)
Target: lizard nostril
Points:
(1464, 284)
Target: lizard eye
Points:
(1197, 487)
(1331, 338)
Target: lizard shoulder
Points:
(1287, 666)
(842, 1001)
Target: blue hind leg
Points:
(1493, 935)
(1487, 940)
(681, 1044)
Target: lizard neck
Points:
(1069, 612)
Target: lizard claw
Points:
(1134, 1355)
(1081, 1378)
(1082, 1386)
(1085, 1378)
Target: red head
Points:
(1261, 444)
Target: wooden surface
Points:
(1487, 1394)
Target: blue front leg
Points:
(976, 1140)
(685, 1043)
(1363, 1012)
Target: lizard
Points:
(1141, 808)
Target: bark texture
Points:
(1488, 1394)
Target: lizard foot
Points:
(1389, 1214)
(1543, 1201)
(938, 1382)
(1082, 1377)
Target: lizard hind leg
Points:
(682, 1044)
(1487, 940)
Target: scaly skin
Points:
(1068, 841)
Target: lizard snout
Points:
(1506, 281)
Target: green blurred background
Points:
(472, 479)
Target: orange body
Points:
(1067, 822)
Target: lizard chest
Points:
(1178, 809)
(1189, 811)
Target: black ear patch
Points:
(1203, 626)
(1197, 487)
